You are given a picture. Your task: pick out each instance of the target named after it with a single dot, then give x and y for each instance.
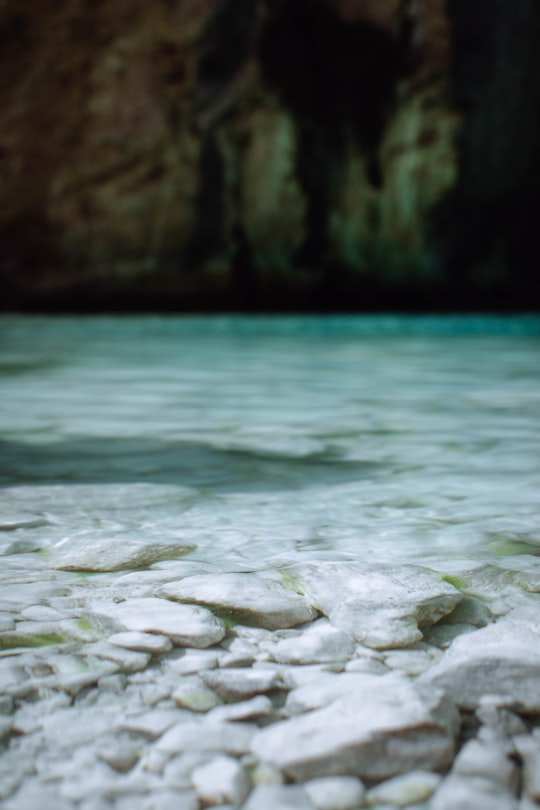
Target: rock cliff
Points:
(265, 153)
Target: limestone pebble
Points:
(185, 625)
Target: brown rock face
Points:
(222, 153)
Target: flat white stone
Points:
(413, 662)
(330, 686)
(388, 727)
(152, 724)
(240, 653)
(167, 800)
(401, 791)
(178, 768)
(471, 793)
(75, 683)
(237, 684)
(113, 553)
(232, 738)
(186, 625)
(120, 756)
(221, 780)
(318, 643)
(246, 598)
(284, 797)
(382, 608)
(502, 659)
(192, 694)
(192, 662)
(128, 660)
(143, 642)
(488, 760)
(259, 706)
(335, 792)
(42, 613)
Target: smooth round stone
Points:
(120, 757)
(143, 642)
(194, 695)
(335, 792)
(401, 791)
(221, 780)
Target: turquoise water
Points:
(266, 440)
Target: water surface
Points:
(269, 440)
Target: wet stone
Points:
(402, 791)
(502, 659)
(142, 642)
(286, 797)
(151, 724)
(5, 727)
(192, 661)
(166, 800)
(244, 598)
(489, 760)
(329, 686)
(389, 727)
(183, 624)
(221, 780)
(335, 792)
(500, 721)
(120, 756)
(413, 661)
(237, 684)
(240, 653)
(35, 793)
(42, 613)
(128, 660)
(382, 608)
(113, 553)
(177, 769)
(6, 704)
(318, 643)
(231, 738)
(192, 694)
(114, 684)
(529, 750)
(471, 793)
(259, 706)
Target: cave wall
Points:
(264, 153)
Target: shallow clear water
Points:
(269, 440)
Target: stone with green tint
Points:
(114, 554)
(244, 598)
(401, 791)
(185, 625)
(12, 640)
(382, 607)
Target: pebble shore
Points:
(328, 685)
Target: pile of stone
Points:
(326, 685)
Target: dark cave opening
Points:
(338, 79)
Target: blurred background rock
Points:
(269, 154)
